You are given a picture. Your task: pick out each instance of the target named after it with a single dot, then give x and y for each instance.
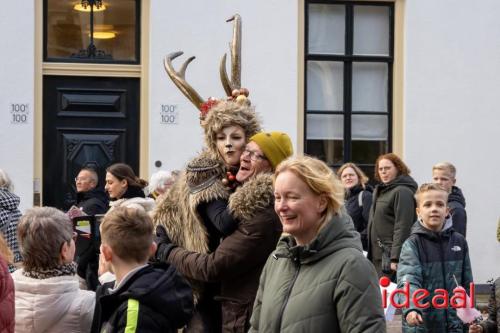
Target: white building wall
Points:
(452, 90)
(17, 68)
(269, 67)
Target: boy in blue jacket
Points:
(433, 257)
(145, 297)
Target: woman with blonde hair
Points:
(317, 280)
(358, 197)
(392, 214)
(7, 321)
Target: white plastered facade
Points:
(450, 88)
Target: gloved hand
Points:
(164, 244)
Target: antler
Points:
(179, 78)
(235, 46)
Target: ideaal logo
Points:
(440, 299)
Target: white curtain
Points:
(371, 30)
(326, 29)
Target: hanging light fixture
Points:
(87, 5)
(104, 34)
(91, 51)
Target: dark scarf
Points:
(132, 192)
(60, 270)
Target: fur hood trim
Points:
(204, 176)
(225, 114)
(177, 209)
(254, 195)
(182, 224)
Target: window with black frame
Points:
(92, 31)
(348, 87)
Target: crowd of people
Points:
(247, 238)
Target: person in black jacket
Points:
(90, 199)
(444, 174)
(145, 297)
(358, 198)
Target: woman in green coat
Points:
(392, 213)
(317, 280)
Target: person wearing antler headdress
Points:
(209, 178)
(238, 261)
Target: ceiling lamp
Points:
(104, 34)
(85, 5)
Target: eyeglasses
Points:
(254, 156)
(81, 179)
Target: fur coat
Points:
(177, 209)
(239, 259)
(177, 212)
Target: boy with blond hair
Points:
(145, 297)
(444, 173)
(434, 257)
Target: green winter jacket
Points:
(326, 286)
(391, 217)
(433, 260)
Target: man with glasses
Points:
(89, 198)
(238, 261)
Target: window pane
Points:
(369, 137)
(369, 171)
(325, 127)
(326, 29)
(366, 152)
(330, 151)
(371, 30)
(68, 30)
(369, 86)
(371, 128)
(121, 20)
(325, 85)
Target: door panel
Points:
(86, 122)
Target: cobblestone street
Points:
(394, 326)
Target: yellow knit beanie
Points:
(276, 146)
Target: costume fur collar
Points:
(254, 195)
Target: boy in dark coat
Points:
(433, 257)
(444, 174)
(145, 297)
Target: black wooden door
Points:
(87, 121)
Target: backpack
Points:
(360, 199)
